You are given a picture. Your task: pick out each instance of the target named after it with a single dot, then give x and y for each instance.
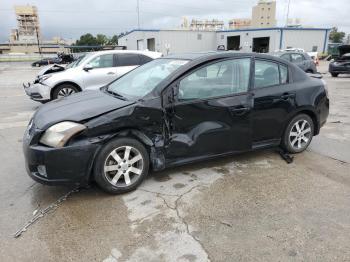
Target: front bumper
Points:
(70, 165)
(37, 91)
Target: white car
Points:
(90, 71)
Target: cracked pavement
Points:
(249, 207)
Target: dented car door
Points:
(211, 111)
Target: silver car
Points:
(301, 59)
(90, 71)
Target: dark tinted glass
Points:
(285, 57)
(145, 59)
(128, 60)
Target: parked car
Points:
(47, 61)
(88, 72)
(340, 65)
(171, 111)
(66, 58)
(301, 59)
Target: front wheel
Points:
(64, 90)
(334, 74)
(298, 134)
(121, 165)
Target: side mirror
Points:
(87, 68)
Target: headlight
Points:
(58, 134)
(44, 78)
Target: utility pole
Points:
(287, 13)
(138, 14)
(37, 38)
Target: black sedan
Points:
(340, 65)
(171, 111)
(47, 61)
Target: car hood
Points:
(54, 68)
(77, 108)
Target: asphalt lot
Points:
(251, 207)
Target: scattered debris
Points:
(37, 214)
(226, 223)
(336, 122)
(289, 159)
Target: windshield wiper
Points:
(116, 94)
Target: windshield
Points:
(145, 78)
(78, 61)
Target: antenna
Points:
(287, 13)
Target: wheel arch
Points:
(307, 111)
(156, 159)
(62, 83)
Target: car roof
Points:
(204, 56)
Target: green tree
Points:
(87, 39)
(113, 40)
(335, 36)
(96, 42)
(101, 39)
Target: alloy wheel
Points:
(123, 166)
(300, 134)
(66, 91)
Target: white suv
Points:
(90, 71)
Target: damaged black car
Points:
(174, 110)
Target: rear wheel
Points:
(334, 74)
(64, 90)
(298, 134)
(121, 165)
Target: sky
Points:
(71, 18)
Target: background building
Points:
(260, 40)
(28, 25)
(210, 25)
(264, 14)
(239, 23)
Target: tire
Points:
(334, 74)
(123, 176)
(296, 140)
(64, 90)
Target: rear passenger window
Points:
(269, 74)
(128, 60)
(286, 57)
(284, 74)
(297, 58)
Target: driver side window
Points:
(102, 61)
(220, 79)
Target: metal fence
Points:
(23, 57)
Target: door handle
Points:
(286, 96)
(239, 111)
(110, 73)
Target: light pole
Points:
(287, 13)
(138, 14)
(37, 38)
